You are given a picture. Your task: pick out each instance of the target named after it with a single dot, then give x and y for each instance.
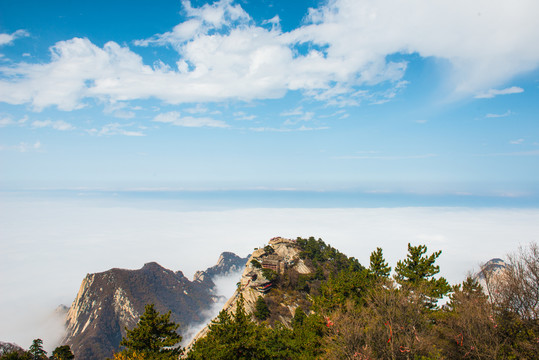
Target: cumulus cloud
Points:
(343, 47)
(57, 125)
(7, 39)
(490, 93)
(174, 118)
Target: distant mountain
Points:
(108, 302)
(6, 348)
(490, 273)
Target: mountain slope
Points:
(108, 302)
(280, 256)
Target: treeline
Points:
(364, 313)
(36, 352)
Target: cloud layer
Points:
(343, 47)
(48, 246)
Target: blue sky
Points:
(373, 96)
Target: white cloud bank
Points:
(49, 246)
(224, 55)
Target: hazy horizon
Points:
(50, 243)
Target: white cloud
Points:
(8, 121)
(516, 142)
(22, 147)
(58, 234)
(115, 129)
(7, 39)
(490, 93)
(57, 125)
(174, 118)
(298, 114)
(301, 128)
(224, 55)
(198, 109)
(240, 115)
(505, 114)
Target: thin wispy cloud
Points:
(116, 129)
(301, 128)
(175, 118)
(240, 115)
(22, 147)
(505, 114)
(56, 124)
(8, 121)
(489, 94)
(516, 142)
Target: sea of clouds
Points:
(48, 246)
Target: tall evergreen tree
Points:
(262, 311)
(417, 271)
(378, 265)
(232, 337)
(154, 337)
(36, 350)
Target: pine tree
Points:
(378, 266)
(417, 272)
(154, 337)
(262, 311)
(62, 353)
(36, 349)
(232, 337)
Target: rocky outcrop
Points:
(490, 274)
(279, 255)
(227, 264)
(110, 301)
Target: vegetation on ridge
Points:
(347, 311)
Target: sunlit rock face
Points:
(113, 300)
(279, 255)
(491, 274)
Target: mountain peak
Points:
(112, 300)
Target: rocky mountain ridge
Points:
(279, 255)
(110, 301)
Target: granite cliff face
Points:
(491, 272)
(110, 301)
(280, 255)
